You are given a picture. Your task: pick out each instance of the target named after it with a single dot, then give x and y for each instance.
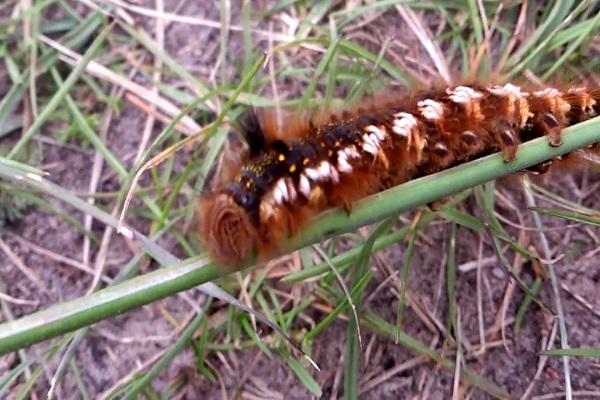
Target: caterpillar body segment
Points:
(290, 178)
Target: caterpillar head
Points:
(226, 231)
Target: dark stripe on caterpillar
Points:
(290, 178)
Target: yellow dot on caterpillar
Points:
(338, 143)
(329, 153)
(305, 161)
(248, 184)
(281, 157)
(292, 168)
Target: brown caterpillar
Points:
(290, 178)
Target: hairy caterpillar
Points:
(290, 178)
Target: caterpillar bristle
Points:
(333, 159)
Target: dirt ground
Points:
(119, 345)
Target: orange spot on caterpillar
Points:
(315, 163)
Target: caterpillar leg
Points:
(437, 205)
(506, 136)
(552, 128)
(347, 207)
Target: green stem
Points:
(141, 290)
(74, 314)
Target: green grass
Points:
(343, 68)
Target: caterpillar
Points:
(290, 177)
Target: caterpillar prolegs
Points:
(291, 177)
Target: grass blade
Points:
(61, 92)
(568, 215)
(580, 352)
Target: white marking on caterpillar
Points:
(304, 185)
(375, 139)
(323, 172)
(372, 139)
(280, 192)
(369, 148)
(404, 124)
(327, 171)
(324, 169)
(507, 90)
(516, 101)
(343, 165)
(463, 94)
(369, 145)
(380, 133)
(312, 173)
(291, 189)
(351, 152)
(431, 109)
(550, 92)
